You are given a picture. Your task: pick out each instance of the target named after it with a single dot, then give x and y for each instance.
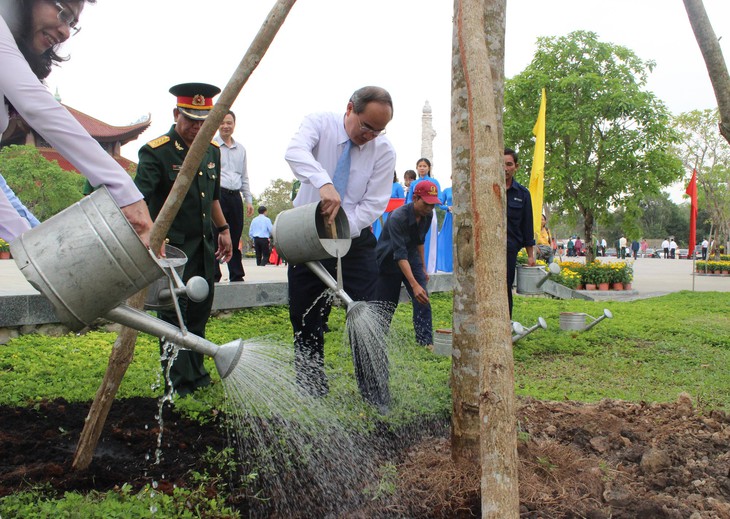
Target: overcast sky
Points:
(130, 52)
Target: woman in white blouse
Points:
(31, 32)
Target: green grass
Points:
(651, 350)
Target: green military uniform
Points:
(160, 161)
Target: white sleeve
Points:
(57, 126)
(300, 154)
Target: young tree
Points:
(712, 53)
(608, 140)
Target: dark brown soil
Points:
(609, 460)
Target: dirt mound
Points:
(612, 459)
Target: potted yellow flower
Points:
(4, 249)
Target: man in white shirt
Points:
(234, 185)
(672, 248)
(705, 244)
(665, 248)
(313, 155)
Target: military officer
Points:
(160, 160)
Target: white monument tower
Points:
(427, 133)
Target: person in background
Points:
(260, 232)
(644, 247)
(571, 247)
(423, 167)
(635, 246)
(396, 192)
(705, 245)
(361, 186)
(544, 242)
(400, 255)
(408, 177)
(160, 160)
(234, 186)
(665, 248)
(17, 204)
(603, 247)
(445, 257)
(578, 246)
(31, 33)
(672, 248)
(622, 246)
(520, 232)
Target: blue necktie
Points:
(342, 170)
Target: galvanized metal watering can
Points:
(520, 332)
(301, 235)
(87, 260)
(577, 320)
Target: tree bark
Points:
(499, 489)
(712, 54)
(123, 350)
(466, 358)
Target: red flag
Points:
(692, 192)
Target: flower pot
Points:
(725, 272)
(603, 286)
(618, 286)
(590, 286)
(5, 254)
(579, 287)
(627, 286)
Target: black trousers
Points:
(511, 271)
(261, 246)
(188, 372)
(307, 311)
(232, 206)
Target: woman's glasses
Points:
(66, 15)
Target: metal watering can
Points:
(87, 260)
(577, 321)
(301, 235)
(521, 332)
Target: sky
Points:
(130, 52)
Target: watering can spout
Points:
(226, 357)
(521, 332)
(606, 315)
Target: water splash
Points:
(298, 450)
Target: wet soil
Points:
(608, 460)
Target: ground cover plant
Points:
(582, 455)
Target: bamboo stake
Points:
(123, 350)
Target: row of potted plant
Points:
(617, 275)
(713, 267)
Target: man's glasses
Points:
(66, 15)
(368, 129)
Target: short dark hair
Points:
(230, 112)
(262, 209)
(369, 94)
(510, 151)
(409, 174)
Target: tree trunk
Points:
(465, 361)
(123, 350)
(588, 232)
(712, 53)
(500, 496)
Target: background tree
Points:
(43, 186)
(607, 138)
(704, 149)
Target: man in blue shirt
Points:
(400, 256)
(520, 231)
(260, 232)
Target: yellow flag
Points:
(537, 175)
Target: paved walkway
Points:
(652, 276)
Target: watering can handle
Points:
(332, 228)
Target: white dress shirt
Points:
(44, 114)
(234, 168)
(312, 156)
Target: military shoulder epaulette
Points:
(159, 141)
(214, 143)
